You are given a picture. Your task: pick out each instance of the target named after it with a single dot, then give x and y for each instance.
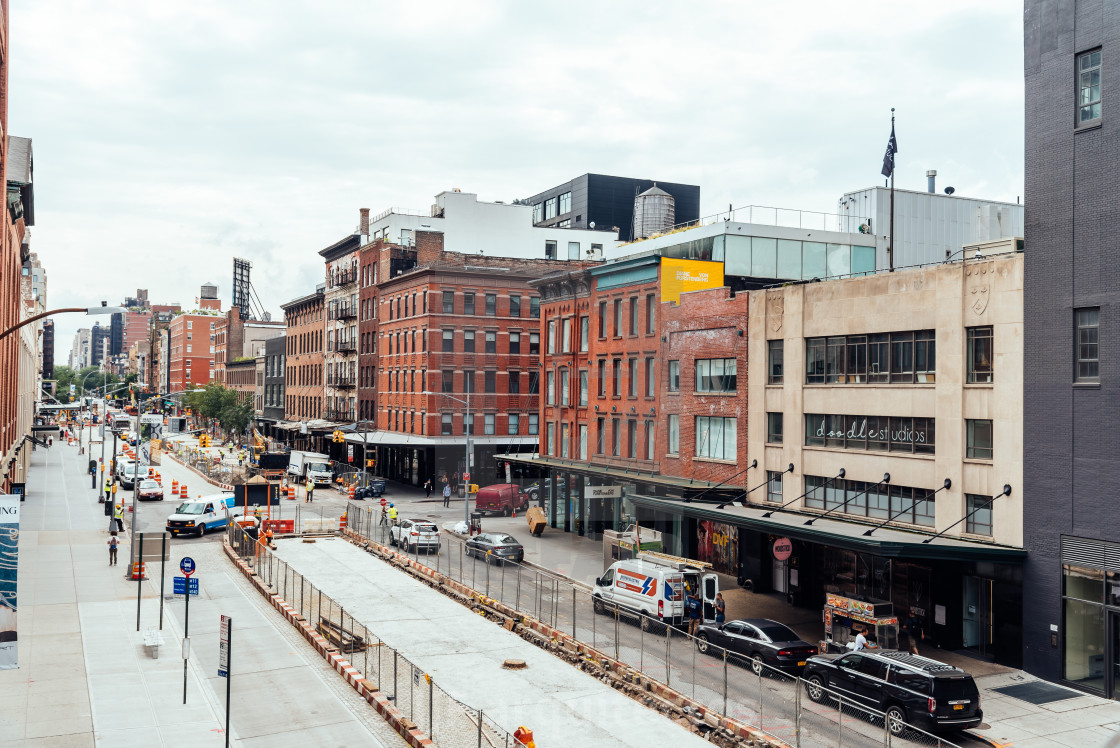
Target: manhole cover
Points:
(514, 665)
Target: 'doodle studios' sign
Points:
(680, 276)
(9, 557)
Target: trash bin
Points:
(476, 523)
(462, 490)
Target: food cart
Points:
(842, 615)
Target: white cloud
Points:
(170, 137)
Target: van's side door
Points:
(709, 587)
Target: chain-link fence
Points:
(447, 721)
(740, 686)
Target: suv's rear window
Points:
(427, 528)
(909, 679)
(954, 689)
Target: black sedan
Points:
(758, 640)
(496, 546)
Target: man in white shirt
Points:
(861, 641)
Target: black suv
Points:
(907, 688)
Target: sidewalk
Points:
(1071, 720)
(85, 677)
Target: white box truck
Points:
(654, 587)
(303, 465)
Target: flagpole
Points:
(894, 159)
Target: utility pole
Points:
(469, 430)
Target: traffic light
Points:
(371, 463)
(339, 437)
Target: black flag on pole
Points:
(888, 159)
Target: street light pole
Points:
(467, 469)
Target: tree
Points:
(217, 404)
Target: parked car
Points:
(121, 463)
(759, 641)
(414, 534)
(150, 490)
(501, 498)
(496, 546)
(537, 489)
(907, 688)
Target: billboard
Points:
(679, 276)
(718, 544)
(9, 558)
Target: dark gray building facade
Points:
(273, 409)
(607, 201)
(1071, 497)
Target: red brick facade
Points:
(191, 344)
(303, 377)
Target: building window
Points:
(716, 375)
(490, 382)
(538, 212)
(632, 439)
(565, 203)
(550, 438)
(1089, 87)
(1088, 344)
(535, 307)
(468, 341)
(651, 377)
(979, 523)
(651, 441)
(618, 318)
(534, 424)
(488, 424)
(979, 355)
(584, 333)
(897, 357)
(774, 486)
(550, 385)
(491, 305)
(514, 383)
(602, 320)
(515, 343)
(633, 315)
(775, 361)
(550, 212)
(583, 387)
(979, 445)
(445, 424)
(448, 341)
(774, 428)
(468, 382)
(515, 306)
(534, 382)
(491, 340)
(674, 376)
(632, 377)
(616, 377)
(534, 344)
(468, 303)
(512, 424)
(566, 335)
(651, 314)
(602, 377)
(600, 435)
(564, 440)
(674, 435)
(715, 438)
(616, 434)
(565, 394)
(468, 424)
(583, 441)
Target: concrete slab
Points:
(464, 652)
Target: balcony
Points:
(344, 278)
(345, 346)
(339, 414)
(341, 381)
(342, 311)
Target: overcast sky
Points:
(172, 136)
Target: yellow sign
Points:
(679, 276)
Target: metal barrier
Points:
(729, 683)
(446, 720)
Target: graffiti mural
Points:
(718, 544)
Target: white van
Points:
(197, 516)
(654, 586)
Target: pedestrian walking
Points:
(428, 488)
(384, 516)
(118, 517)
(310, 488)
(695, 612)
(114, 541)
(914, 630)
(447, 494)
(720, 608)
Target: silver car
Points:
(414, 534)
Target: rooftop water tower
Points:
(654, 212)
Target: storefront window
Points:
(1084, 644)
(1083, 583)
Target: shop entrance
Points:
(1113, 685)
(977, 618)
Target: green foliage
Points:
(221, 405)
(86, 379)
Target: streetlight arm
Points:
(87, 310)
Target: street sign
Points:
(223, 648)
(466, 477)
(602, 492)
(180, 585)
(152, 419)
(187, 566)
(349, 452)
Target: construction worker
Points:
(384, 516)
(118, 516)
(392, 514)
(108, 490)
(310, 488)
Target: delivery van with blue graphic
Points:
(653, 588)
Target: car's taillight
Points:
(932, 705)
(785, 652)
(660, 608)
(414, 533)
(812, 650)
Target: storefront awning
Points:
(397, 439)
(891, 542)
(620, 473)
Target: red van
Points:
(501, 498)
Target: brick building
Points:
(303, 357)
(236, 338)
(191, 345)
(340, 300)
(241, 376)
